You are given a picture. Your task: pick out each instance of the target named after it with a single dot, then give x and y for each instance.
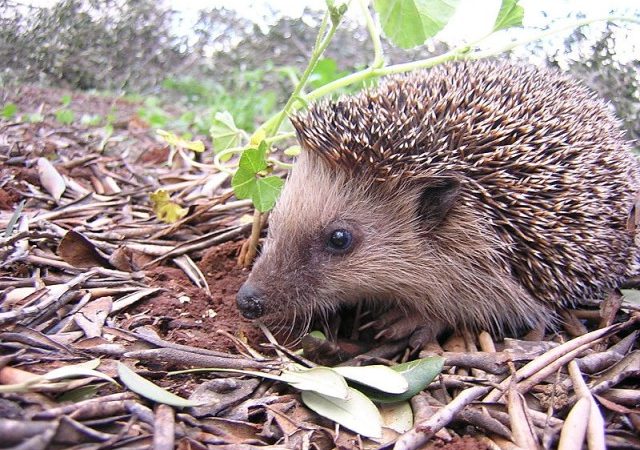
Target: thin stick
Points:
(252, 248)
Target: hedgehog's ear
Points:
(437, 197)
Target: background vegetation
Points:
(227, 63)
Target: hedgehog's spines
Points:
(540, 156)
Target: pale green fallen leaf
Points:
(377, 376)
(322, 380)
(418, 373)
(73, 372)
(631, 296)
(65, 116)
(356, 412)
(12, 223)
(397, 416)
(147, 389)
(85, 369)
(9, 111)
(81, 393)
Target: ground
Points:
(88, 271)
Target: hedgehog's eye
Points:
(340, 241)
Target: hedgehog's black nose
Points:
(249, 301)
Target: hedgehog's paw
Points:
(425, 335)
(395, 325)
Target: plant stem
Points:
(216, 159)
(461, 52)
(254, 239)
(272, 125)
(378, 59)
(280, 164)
(321, 29)
(279, 137)
(369, 73)
(458, 53)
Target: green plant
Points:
(253, 179)
(153, 113)
(327, 71)
(64, 115)
(243, 96)
(9, 111)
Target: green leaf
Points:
(81, 393)
(86, 369)
(224, 132)
(248, 182)
(266, 192)
(510, 15)
(377, 376)
(9, 110)
(418, 373)
(258, 138)
(631, 296)
(65, 100)
(14, 219)
(336, 12)
(397, 416)
(356, 412)
(325, 71)
(107, 130)
(317, 334)
(243, 183)
(254, 159)
(65, 116)
(147, 389)
(322, 380)
(409, 23)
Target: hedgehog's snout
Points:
(250, 301)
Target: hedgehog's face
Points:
(333, 241)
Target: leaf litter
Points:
(95, 287)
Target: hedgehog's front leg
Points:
(396, 324)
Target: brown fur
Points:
(545, 185)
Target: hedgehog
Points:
(477, 195)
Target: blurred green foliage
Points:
(244, 97)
